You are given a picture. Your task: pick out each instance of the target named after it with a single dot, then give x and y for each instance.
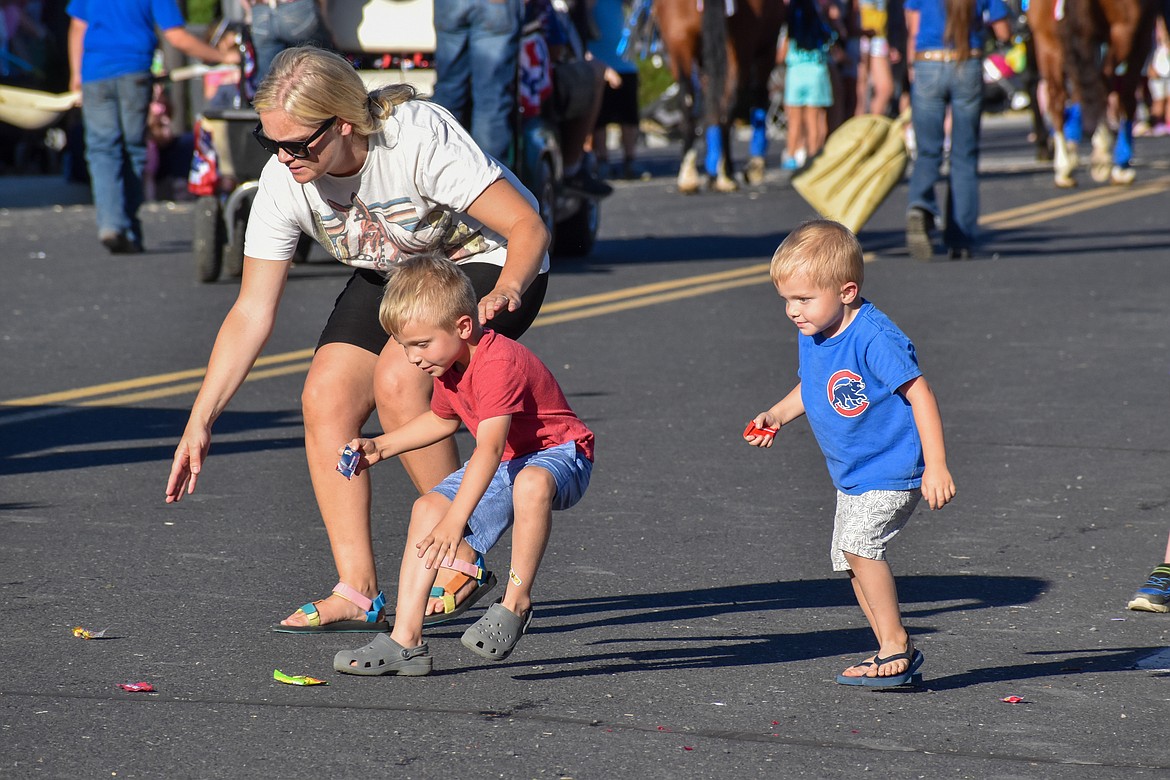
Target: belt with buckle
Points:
(944, 55)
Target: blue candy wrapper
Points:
(348, 463)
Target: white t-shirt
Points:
(422, 173)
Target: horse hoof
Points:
(1065, 182)
(1122, 176)
(1100, 172)
(724, 184)
(753, 173)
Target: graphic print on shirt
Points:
(847, 393)
(376, 235)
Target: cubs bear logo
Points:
(847, 393)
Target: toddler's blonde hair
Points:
(822, 251)
(426, 288)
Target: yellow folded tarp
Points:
(862, 160)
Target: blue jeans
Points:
(494, 514)
(961, 85)
(114, 112)
(477, 44)
(291, 24)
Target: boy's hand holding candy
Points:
(761, 431)
(356, 457)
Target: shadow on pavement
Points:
(92, 436)
(1092, 661)
(942, 593)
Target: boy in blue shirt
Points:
(876, 420)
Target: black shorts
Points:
(620, 106)
(355, 313)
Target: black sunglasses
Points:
(298, 150)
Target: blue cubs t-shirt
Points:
(120, 36)
(849, 385)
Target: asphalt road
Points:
(688, 622)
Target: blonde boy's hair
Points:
(312, 85)
(426, 288)
(822, 251)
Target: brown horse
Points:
(1069, 48)
(736, 53)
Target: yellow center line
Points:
(595, 305)
(1076, 203)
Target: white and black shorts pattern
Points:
(866, 523)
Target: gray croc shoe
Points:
(496, 633)
(385, 656)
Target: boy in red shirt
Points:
(532, 455)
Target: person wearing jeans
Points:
(111, 46)
(945, 74)
(477, 44)
(279, 24)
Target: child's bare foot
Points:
(861, 668)
(896, 660)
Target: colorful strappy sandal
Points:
(372, 607)
(464, 573)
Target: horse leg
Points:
(724, 181)
(1062, 165)
(1101, 159)
(688, 170)
(753, 172)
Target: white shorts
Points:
(1159, 88)
(866, 523)
(877, 46)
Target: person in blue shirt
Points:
(111, 47)
(877, 423)
(945, 57)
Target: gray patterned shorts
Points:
(864, 524)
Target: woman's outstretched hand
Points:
(188, 462)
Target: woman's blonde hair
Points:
(312, 85)
(822, 251)
(426, 288)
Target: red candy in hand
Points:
(753, 430)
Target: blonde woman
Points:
(373, 177)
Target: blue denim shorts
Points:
(494, 513)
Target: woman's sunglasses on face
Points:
(298, 150)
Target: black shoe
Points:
(919, 223)
(120, 244)
(584, 183)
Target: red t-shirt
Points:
(504, 377)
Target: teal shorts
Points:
(807, 84)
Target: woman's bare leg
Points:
(337, 399)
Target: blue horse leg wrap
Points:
(759, 144)
(714, 149)
(1123, 148)
(1072, 123)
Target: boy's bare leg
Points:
(877, 594)
(414, 578)
(336, 400)
(403, 392)
(532, 496)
